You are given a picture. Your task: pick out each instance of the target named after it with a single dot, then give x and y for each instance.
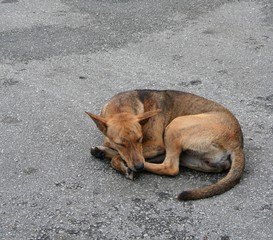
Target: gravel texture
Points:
(61, 58)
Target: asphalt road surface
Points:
(61, 58)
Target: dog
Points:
(160, 130)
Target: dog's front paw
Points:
(130, 174)
(97, 152)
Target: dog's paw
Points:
(130, 174)
(97, 152)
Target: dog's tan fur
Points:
(187, 129)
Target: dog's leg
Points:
(103, 152)
(153, 151)
(119, 165)
(199, 137)
(170, 165)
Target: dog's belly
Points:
(205, 162)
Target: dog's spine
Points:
(229, 181)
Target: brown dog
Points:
(190, 130)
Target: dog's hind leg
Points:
(202, 138)
(170, 165)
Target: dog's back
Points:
(172, 103)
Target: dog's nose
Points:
(139, 167)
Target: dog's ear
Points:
(100, 122)
(144, 117)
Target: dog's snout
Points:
(139, 167)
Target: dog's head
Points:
(124, 131)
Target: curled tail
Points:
(229, 181)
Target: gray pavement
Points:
(61, 58)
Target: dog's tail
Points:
(223, 185)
